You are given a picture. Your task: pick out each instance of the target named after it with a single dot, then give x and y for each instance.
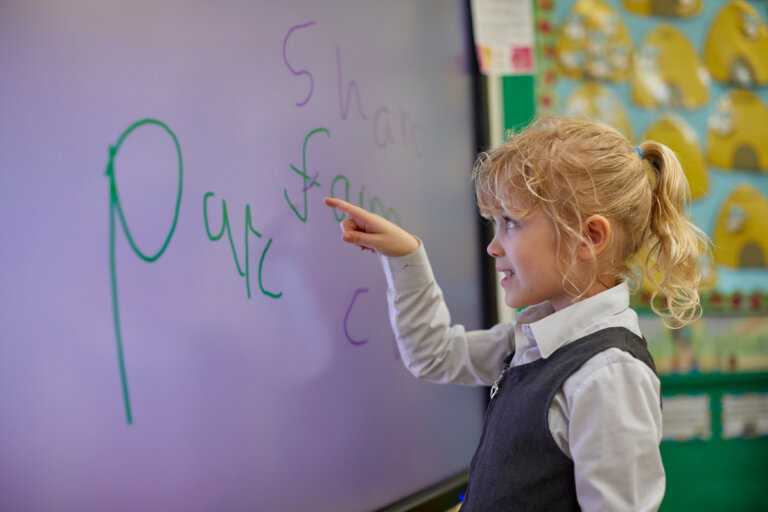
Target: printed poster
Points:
(504, 40)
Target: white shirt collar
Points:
(550, 329)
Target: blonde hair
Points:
(574, 168)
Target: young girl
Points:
(574, 419)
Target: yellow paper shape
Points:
(741, 231)
(593, 42)
(738, 132)
(599, 103)
(666, 71)
(674, 132)
(665, 8)
(736, 50)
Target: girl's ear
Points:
(597, 235)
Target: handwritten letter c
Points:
(346, 318)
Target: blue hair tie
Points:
(640, 152)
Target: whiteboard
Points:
(182, 328)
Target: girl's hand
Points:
(373, 232)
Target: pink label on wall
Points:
(521, 58)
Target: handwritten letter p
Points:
(116, 212)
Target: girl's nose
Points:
(494, 249)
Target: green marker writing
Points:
(116, 211)
(307, 181)
(249, 229)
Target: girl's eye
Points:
(505, 223)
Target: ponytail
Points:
(675, 245)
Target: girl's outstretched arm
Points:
(431, 348)
(373, 232)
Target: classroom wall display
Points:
(677, 93)
(737, 46)
(596, 101)
(694, 81)
(668, 8)
(745, 415)
(686, 417)
(182, 327)
(503, 36)
(736, 135)
(667, 72)
(713, 344)
(593, 42)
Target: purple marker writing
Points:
(302, 71)
(352, 87)
(313, 182)
(346, 318)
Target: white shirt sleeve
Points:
(614, 433)
(429, 345)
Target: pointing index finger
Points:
(344, 206)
